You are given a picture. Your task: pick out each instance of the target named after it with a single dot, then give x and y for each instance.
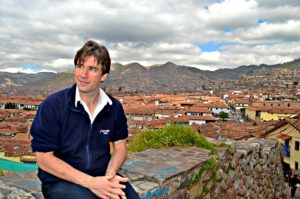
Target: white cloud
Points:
(61, 64)
(48, 33)
(270, 33)
(230, 14)
(22, 70)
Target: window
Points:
(296, 146)
(288, 105)
(296, 165)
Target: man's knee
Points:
(130, 192)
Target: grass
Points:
(171, 136)
(224, 145)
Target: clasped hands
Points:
(109, 186)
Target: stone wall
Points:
(247, 169)
(254, 170)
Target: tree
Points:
(10, 105)
(223, 115)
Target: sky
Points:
(44, 35)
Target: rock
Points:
(206, 176)
(219, 174)
(258, 168)
(230, 194)
(233, 163)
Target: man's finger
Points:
(122, 179)
(123, 197)
(118, 186)
(103, 197)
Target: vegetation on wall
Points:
(171, 136)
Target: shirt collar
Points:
(103, 97)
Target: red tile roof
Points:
(197, 110)
(284, 137)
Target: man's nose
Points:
(84, 72)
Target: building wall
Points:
(15, 159)
(295, 154)
(216, 111)
(273, 135)
(140, 118)
(288, 129)
(250, 114)
(265, 116)
(191, 122)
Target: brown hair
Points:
(92, 48)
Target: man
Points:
(293, 183)
(71, 134)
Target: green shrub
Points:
(171, 136)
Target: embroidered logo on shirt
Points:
(104, 131)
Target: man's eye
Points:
(93, 69)
(78, 66)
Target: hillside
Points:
(134, 77)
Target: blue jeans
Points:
(68, 190)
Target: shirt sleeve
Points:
(45, 128)
(121, 129)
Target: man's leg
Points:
(130, 192)
(293, 190)
(66, 190)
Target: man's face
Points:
(88, 75)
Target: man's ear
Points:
(104, 77)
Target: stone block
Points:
(258, 168)
(230, 194)
(196, 190)
(234, 163)
(219, 174)
(180, 194)
(206, 176)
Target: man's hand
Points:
(118, 179)
(108, 187)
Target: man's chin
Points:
(83, 90)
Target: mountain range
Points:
(133, 77)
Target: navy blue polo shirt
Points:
(66, 129)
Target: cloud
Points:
(278, 3)
(272, 33)
(61, 64)
(47, 33)
(27, 68)
(230, 14)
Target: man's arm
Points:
(102, 186)
(118, 157)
